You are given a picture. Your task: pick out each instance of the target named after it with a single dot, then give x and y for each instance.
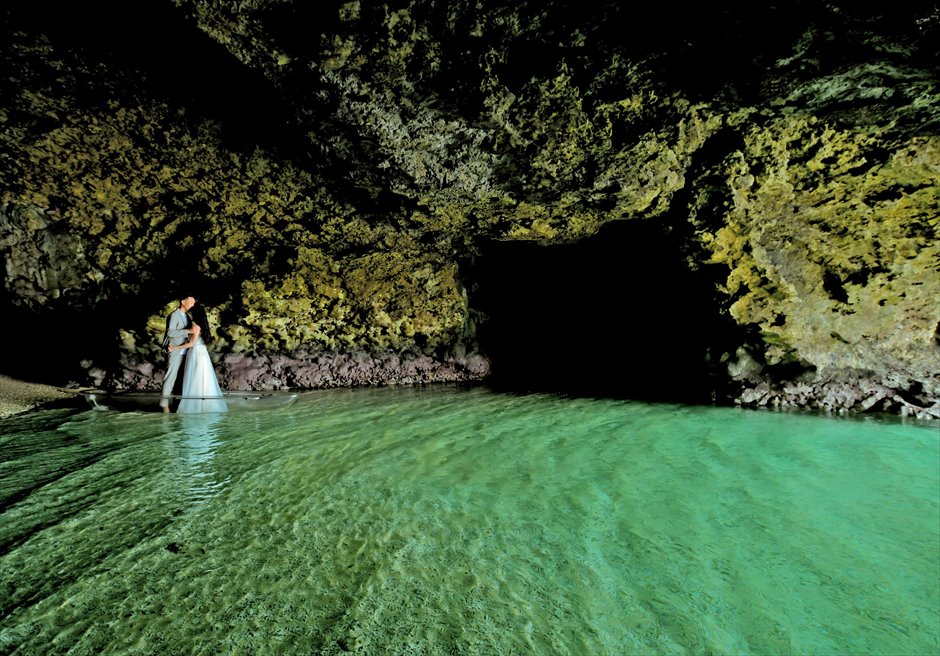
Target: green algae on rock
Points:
(830, 242)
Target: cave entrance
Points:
(618, 315)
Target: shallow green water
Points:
(449, 520)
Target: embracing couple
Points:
(187, 352)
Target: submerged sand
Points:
(17, 396)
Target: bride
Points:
(201, 391)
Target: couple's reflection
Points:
(200, 433)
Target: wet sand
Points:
(17, 396)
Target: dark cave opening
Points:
(620, 315)
(53, 346)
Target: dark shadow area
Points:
(49, 346)
(175, 59)
(619, 315)
(57, 345)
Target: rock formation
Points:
(331, 178)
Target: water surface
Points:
(452, 520)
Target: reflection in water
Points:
(200, 441)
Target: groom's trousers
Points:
(173, 367)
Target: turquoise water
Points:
(446, 520)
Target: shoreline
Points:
(17, 396)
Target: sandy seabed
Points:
(17, 396)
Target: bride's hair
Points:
(199, 317)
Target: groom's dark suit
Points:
(177, 332)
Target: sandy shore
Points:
(17, 396)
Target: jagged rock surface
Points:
(800, 170)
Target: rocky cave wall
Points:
(333, 194)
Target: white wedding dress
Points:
(201, 391)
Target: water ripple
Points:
(451, 520)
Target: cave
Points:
(583, 199)
(619, 315)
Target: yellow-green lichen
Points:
(386, 300)
(832, 247)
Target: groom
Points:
(179, 326)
